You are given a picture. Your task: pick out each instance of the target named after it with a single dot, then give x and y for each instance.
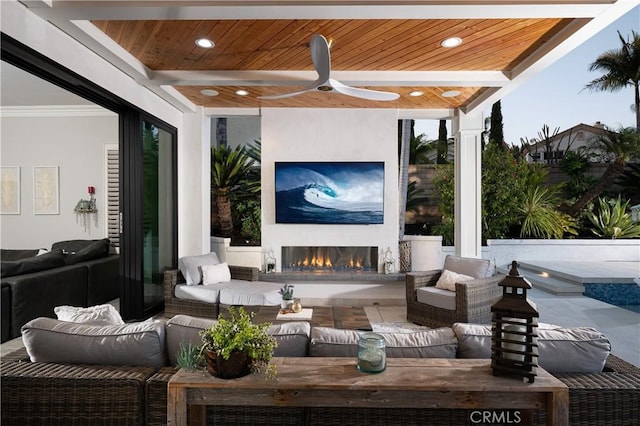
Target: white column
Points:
(468, 208)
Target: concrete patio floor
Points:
(621, 326)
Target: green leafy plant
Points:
(238, 334)
(540, 217)
(613, 221)
(188, 356)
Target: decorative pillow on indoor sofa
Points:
(27, 265)
(83, 250)
(135, 344)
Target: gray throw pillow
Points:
(28, 265)
(190, 266)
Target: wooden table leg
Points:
(176, 406)
(558, 408)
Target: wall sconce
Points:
(514, 331)
(87, 206)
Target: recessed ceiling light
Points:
(209, 92)
(416, 93)
(451, 42)
(241, 92)
(450, 94)
(205, 42)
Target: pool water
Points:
(624, 295)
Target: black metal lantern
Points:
(514, 341)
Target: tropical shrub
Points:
(612, 220)
(540, 217)
(503, 191)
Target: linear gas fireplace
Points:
(329, 259)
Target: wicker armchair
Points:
(174, 306)
(473, 300)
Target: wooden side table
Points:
(406, 383)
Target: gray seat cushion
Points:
(437, 297)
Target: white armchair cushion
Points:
(448, 280)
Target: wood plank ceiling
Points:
(359, 45)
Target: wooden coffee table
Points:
(336, 382)
(347, 317)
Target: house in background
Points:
(575, 139)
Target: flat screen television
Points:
(330, 192)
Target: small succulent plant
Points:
(188, 356)
(287, 292)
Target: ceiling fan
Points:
(322, 62)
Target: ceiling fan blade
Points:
(320, 56)
(289, 94)
(372, 95)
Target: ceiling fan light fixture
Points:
(451, 42)
(242, 92)
(209, 92)
(205, 43)
(450, 94)
(416, 93)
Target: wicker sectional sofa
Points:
(86, 394)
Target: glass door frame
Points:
(131, 265)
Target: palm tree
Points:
(228, 168)
(621, 68)
(621, 147)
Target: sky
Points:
(556, 96)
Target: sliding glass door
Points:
(158, 210)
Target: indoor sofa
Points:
(75, 272)
(129, 386)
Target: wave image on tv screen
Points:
(329, 193)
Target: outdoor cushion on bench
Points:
(234, 292)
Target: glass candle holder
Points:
(372, 353)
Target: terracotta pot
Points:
(238, 365)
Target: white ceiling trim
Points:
(56, 111)
(353, 78)
(328, 9)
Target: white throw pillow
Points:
(213, 274)
(99, 314)
(190, 266)
(448, 280)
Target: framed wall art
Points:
(46, 196)
(10, 187)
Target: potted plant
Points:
(287, 296)
(235, 347)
